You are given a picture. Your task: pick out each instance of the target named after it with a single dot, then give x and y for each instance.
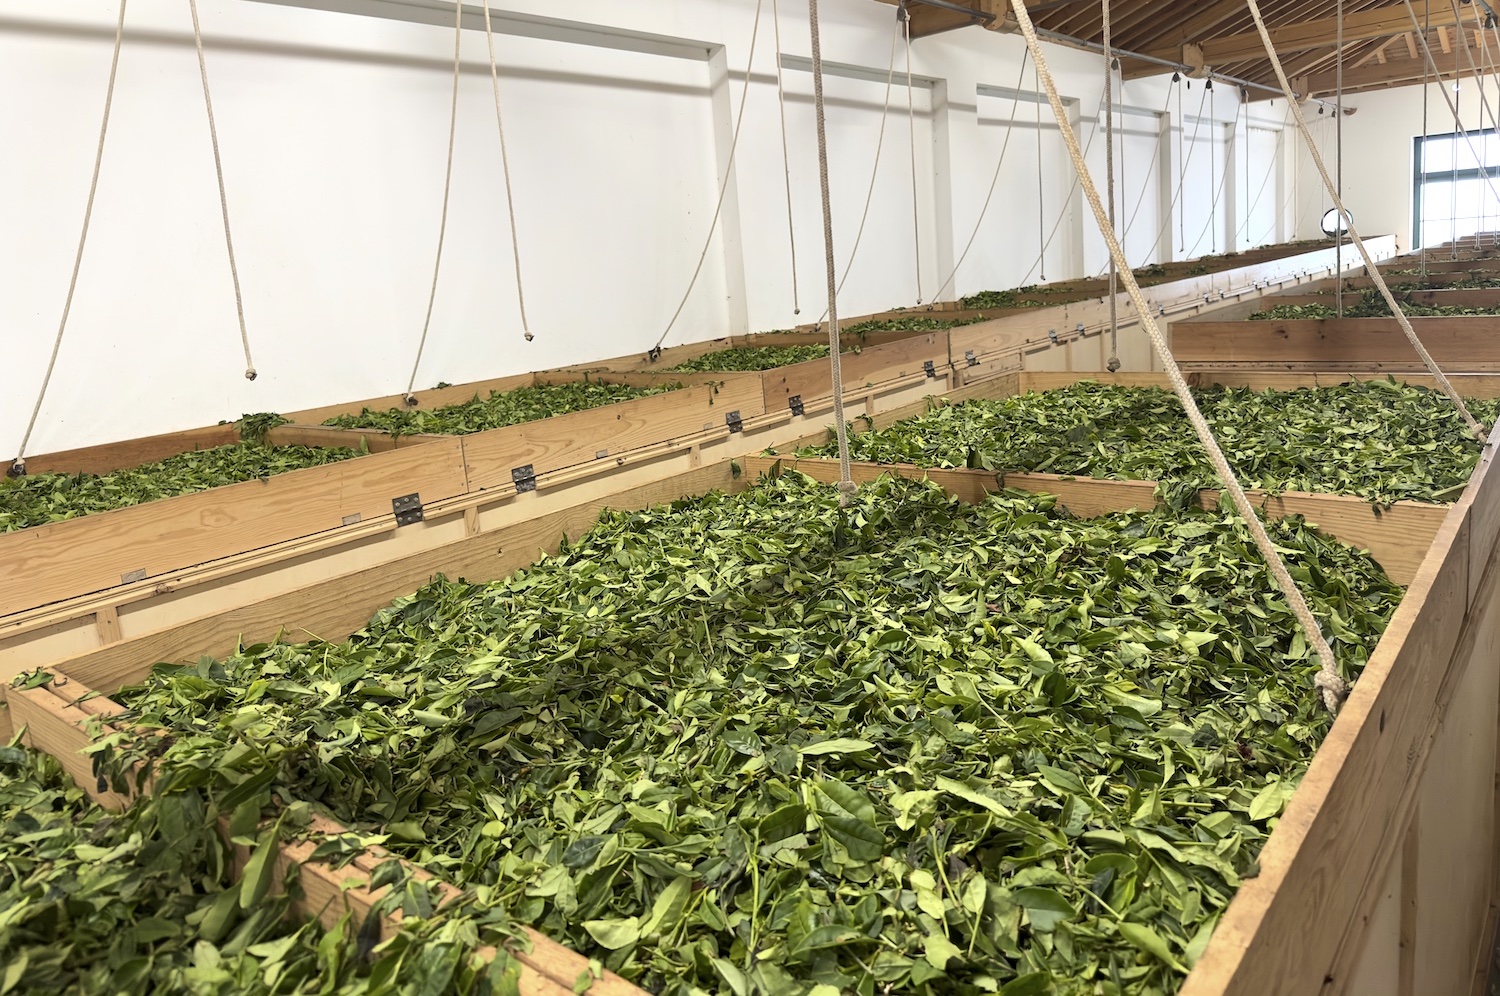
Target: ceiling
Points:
(1381, 46)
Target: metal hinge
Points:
(972, 360)
(408, 509)
(796, 405)
(735, 423)
(524, 478)
(928, 368)
(1052, 334)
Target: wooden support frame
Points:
(1345, 861)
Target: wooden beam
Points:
(1323, 33)
(1390, 74)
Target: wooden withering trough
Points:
(1378, 878)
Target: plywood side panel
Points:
(63, 559)
(332, 610)
(130, 453)
(582, 437)
(1378, 970)
(1325, 865)
(1470, 344)
(872, 365)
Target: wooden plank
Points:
(106, 457)
(1398, 536)
(1324, 866)
(335, 608)
(63, 559)
(1463, 297)
(1469, 344)
(455, 394)
(107, 622)
(1378, 970)
(872, 365)
(324, 437)
(582, 437)
(55, 726)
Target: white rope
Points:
(864, 216)
(1065, 209)
(1140, 199)
(786, 160)
(213, 135)
(1040, 173)
(1109, 167)
(994, 182)
(1213, 212)
(1359, 243)
(510, 200)
(1338, 146)
(1166, 225)
(18, 466)
(713, 224)
(1332, 685)
(846, 482)
(437, 266)
(911, 127)
(1244, 228)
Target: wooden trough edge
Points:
(58, 724)
(1397, 536)
(1274, 939)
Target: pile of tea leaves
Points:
(1020, 297)
(145, 902)
(909, 323)
(757, 744)
(44, 497)
(1376, 439)
(750, 358)
(1372, 304)
(501, 408)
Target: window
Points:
(1452, 198)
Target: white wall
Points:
(1378, 142)
(334, 129)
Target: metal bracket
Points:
(524, 478)
(352, 519)
(408, 509)
(131, 577)
(735, 423)
(796, 405)
(970, 358)
(653, 354)
(601, 454)
(1052, 334)
(929, 368)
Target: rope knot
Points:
(411, 400)
(17, 468)
(250, 373)
(1113, 365)
(529, 337)
(1334, 688)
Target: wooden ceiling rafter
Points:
(1381, 46)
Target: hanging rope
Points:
(994, 182)
(1109, 168)
(1333, 687)
(846, 482)
(510, 200)
(1426, 94)
(864, 216)
(437, 266)
(786, 161)
(1067, 201)
(911, 126)
(18, 466)
(213, 135)
(1213, 211)
(1265, 179)
(1040, 172)
(1166, 225)
(1140, 199)
(713, 224)
(1213, 205)
(1359, 243)
(1338, 146)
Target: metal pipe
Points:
(1062, 39)
(958, 8)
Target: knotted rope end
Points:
(411, 400)
(1334, 688)
(529, 337)
(17, 468)
(1113, 365)
(250, 373)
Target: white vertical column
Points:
(730, 228)
(1166, 186)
